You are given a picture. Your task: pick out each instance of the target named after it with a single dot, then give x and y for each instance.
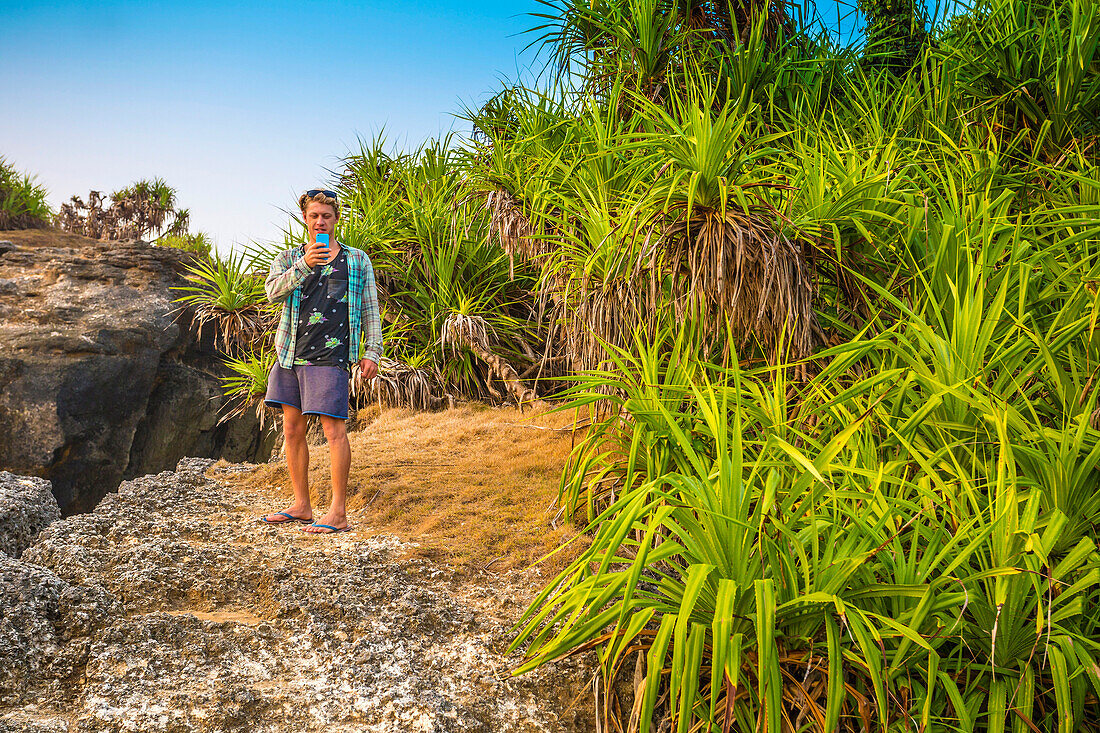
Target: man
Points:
(329, 298)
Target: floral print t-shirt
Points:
(322, 338)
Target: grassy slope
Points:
(474, 487)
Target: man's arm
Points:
(288, 271)
(371, 316)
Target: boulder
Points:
(27, 507)
(100, 377)
(171, 608)
(45, 625)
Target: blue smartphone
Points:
(323, 239)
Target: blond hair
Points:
(305, 200)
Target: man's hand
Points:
(316, 254)
(367, 369)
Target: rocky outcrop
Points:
(27, 507)
(170, 608)
(99, 381)
(45, 623)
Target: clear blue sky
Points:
(239, 106)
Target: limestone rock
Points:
(222, 623)
(27, 506)
(45, 623)
(99, 380)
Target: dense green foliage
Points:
(433, 262)
(223, 291)
(22, 202)
(896, 32)
(896, 532)
(197, 243)
(836, 322)
(226, 293)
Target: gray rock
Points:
(182, 419)
(99, 379)
(27, 506)
(221, 623)
(44, 626)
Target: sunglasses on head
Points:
(314, 191)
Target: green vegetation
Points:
(222, 291)
(144, 209)
(197, 243)
(226, 293)
(834, 315)
(844, 474)
(427, 240)
(22, 202)
(896, 33)
(247, 381)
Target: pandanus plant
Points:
(722, 246)
(832, 556)
(1033, 65)
(22, 201)
(223, 292)
(903, 538)
(143, 209)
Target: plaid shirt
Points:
(283, 285)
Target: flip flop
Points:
(290, 518)
(332, 530)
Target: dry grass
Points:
(474, 487)
(734, 268)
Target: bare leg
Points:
(340, 456)
(297, 464)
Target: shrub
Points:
(227, 294)
(247, 382)
(195, 243)
(143, 209)
(22, 202)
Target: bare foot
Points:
(328, 524)
(290, 514)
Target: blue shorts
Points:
(315, 390)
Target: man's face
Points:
(320, 219)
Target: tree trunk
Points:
(520, 392)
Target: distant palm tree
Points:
(142, 210)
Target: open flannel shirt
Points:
(289, 271)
